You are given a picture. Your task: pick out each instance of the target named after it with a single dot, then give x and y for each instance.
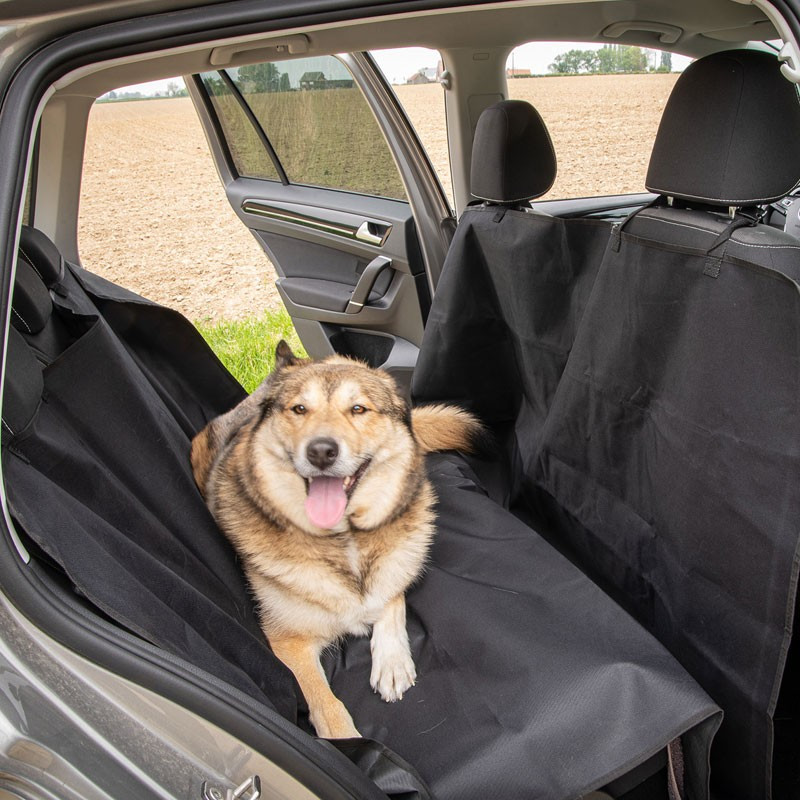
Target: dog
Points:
(318, 480)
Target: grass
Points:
(247, 347)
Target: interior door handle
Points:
(366, 282)
(373, 233)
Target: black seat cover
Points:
(525, 666)
(653, 419)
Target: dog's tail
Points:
(439, 427)
(204, 452)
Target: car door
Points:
(320, 163)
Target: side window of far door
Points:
(302, 121)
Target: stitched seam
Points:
(7, 427)
(734, 241)
(22, 319)
(679, 224)
(767, 246)
(740, 202)
(30, 261)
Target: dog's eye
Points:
(357, 409)
(299, 409)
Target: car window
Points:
(315, 119)
(154, 216)
(414, 73)
(247, 150)
(602, 106)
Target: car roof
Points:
(686, 26)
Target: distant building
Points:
(424, 75)
(518, 73)
(317, 80)
(313, 80)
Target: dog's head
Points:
(333, 445)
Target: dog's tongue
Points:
(326, 501)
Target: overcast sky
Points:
(399, 65)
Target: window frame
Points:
(241, 100)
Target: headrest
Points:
(41, 254)
(512, 156)
(31, 305)
(730, 132)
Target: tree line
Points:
(609, 58)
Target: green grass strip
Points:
(247, 347)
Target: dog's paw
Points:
(393, 671)
(334, 722)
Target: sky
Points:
(399, 65)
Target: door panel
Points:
(349, 264)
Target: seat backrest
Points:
(514, 283)
(671, 457)
(646, 387)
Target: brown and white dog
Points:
(318, 479)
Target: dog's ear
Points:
(284, 357)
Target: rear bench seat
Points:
(646, 385)
(532, 682)
(532, 677)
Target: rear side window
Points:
(246, 148)
(602, 106)
(312, 116)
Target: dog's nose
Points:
(322, 452)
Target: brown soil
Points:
(155, 218)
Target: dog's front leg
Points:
(328, 715)
(393, 668)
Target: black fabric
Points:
(729, 132)
(512, 294)
(31, 305)
(97, 469)
(24, 393)
(674, 445)
(101, 481)
(512, 156)
(41, 254)
(99, 478)
(652, 431)
(531, 682)
(166, 347)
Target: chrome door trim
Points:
(369, 231)
(425, 194)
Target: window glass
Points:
(154, 216)
(27, 211)
(414, 74)
(319, 124)
(247, 149)
(602, 106)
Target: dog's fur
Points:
(317, 580)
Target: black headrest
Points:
(41, 254)
(512, 156)
(31, 305)
(730, 132)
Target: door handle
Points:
(365, 233)
(366, 282)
